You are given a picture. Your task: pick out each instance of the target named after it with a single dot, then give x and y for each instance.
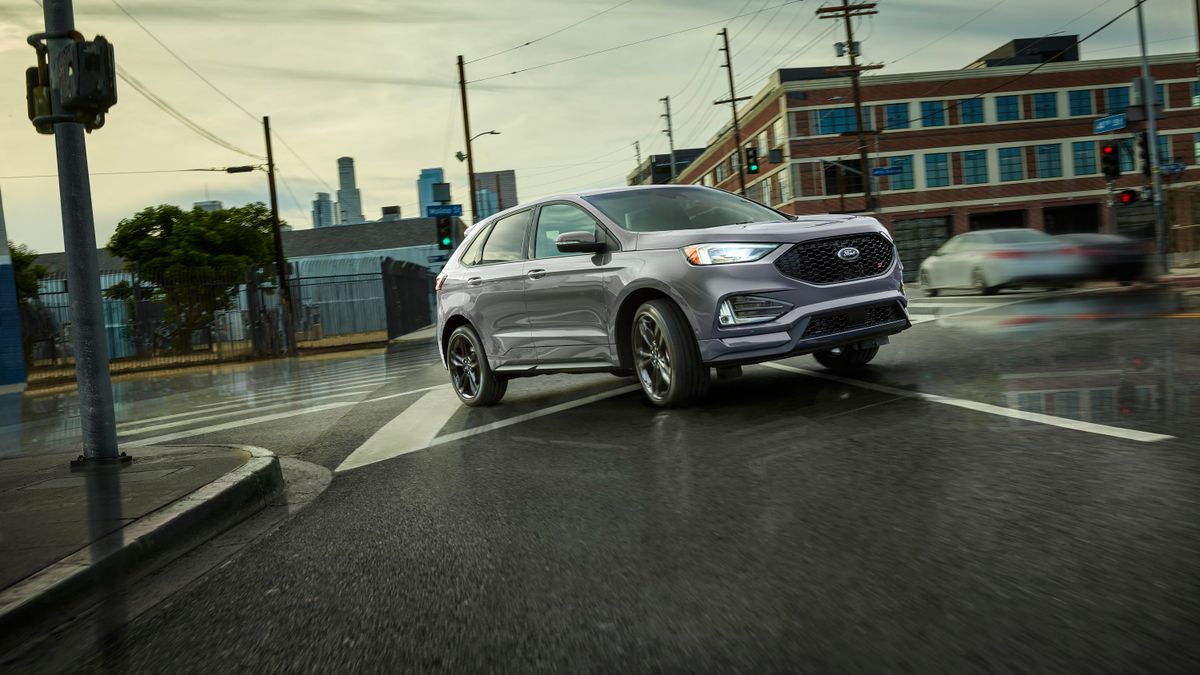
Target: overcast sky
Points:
(376, 80)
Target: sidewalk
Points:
(57, 526)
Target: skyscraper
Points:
(322, 210)
(425, 187)
(486, 200)
(349, 200)
(502, 183)
(208, 205)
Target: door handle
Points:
(536, 274)
(474, 281)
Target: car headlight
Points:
(724, 254)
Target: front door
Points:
(496, 282)
(565, 292)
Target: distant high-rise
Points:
(349, 200)
(322, 210)
(208, 205)
(502, 183)
(425, 187)
(486, 201)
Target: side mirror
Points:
(579, 242)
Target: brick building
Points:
(977, 147)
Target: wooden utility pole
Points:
(637, 151)
(733, 101)
(462, 88)
(666, 100)
(846, 11)
(281, 270)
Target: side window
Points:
(506, 241)
(951, 246)
(556, 219)
(471, 255)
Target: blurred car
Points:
(989, 260)
(1109, 257)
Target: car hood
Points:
(782, 232)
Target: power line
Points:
(552, 34)
(746, 45)
(627, 44)
(220, 169)
(952, 32)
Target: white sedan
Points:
(988, 260)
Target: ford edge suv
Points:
(664, 283)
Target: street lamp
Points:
(462, 156)
(470, 159)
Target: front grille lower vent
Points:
(852, 319)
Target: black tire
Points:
(666, 358)
(981, 285)
(849, 359)
(929, 291)
(473, 380)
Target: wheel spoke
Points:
(646, 329)
(664, 374)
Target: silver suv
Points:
(662, 282)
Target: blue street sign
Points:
(1174, 167)
(1110, 123)
(887, 171)
(439, 258)
(443, 210)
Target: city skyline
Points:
(596, 124)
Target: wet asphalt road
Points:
(791, 523)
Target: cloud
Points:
(354, 76)
(288, 11)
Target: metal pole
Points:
(462, 88)
(281, 270)
(670, 136)
(737, 130)
(96, 416)
(868, 196)
(1160, 221)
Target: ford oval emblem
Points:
(849, 254)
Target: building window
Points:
(904, 179)
(763, 147)
(975, 171)
(1196, 94)
(1008, 108)
(937, 169)
(970, 111)
(719, 174)
(1196, 148)
(1049, 161)
(1045, 105)
(1083, 156)
(1081, 102)
(780, 131)
(897, 115)
(1164, 150)
(783, 180)
(1116, 99)
(752, 192)
(1125, 152)
(933, 114)
(1012, 167)
(835, 120)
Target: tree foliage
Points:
(26, 272)
(191, 262)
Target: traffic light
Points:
(445, 232)
(751, 159)
(1128, 196)
(1110, 161)
(1143, 141)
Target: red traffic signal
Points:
(1128, 196)
(1110, 161)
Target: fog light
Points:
(743, 309)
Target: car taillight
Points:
(1070, 251)
(1007, 254)
(437, 284)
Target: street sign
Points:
(1174, 167)
(439, 258)
(443, 210)
(887, 171)
(1110, 123)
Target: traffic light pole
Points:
(97, 419)
(1160, 221)
(281, 270)
(462, 89)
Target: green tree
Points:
(26, 271)
(192, 261)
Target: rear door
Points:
(495, 279)
(565, 292)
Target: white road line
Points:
(404, 393)
(253, 399)
(241, 410)
(492, 426)
(925, 318)
(226, 405)
(1051, 420)
(411, 430)
(154, 440)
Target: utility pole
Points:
(1160, 221)
(670, 135)
(845, 11)
(462, 89)
(637, 151)
(281, 270)
(733, 101)
(96, 416)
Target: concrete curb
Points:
(210, 509)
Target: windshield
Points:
(679, 208)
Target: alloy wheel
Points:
(652, 358)
(464, 366)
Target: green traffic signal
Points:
(446, 241)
